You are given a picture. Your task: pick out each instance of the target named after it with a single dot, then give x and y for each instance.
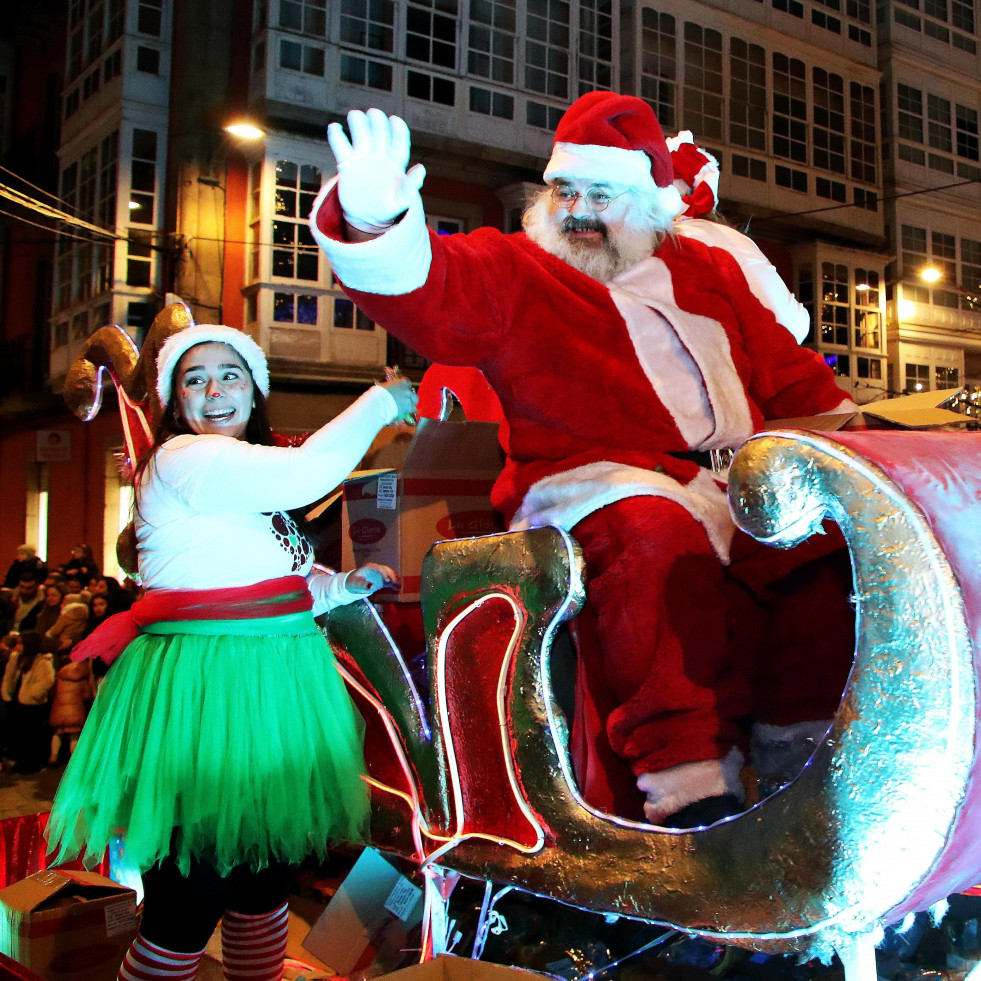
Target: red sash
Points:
(269, 598)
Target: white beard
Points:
(641, 234)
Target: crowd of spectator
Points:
(44, 695)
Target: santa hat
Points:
(610, 138)
(696, 174)
(177, 344)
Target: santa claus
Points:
(623, 355)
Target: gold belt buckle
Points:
(721, 459)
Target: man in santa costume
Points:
(622, 355)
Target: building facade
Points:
(847, 133)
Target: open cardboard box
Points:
(367, 924)
(67, 926)
(446, 967)
(920, 411)
(441, 490)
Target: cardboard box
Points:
(446, 967)
(366, 926)
(442, 490)
(68, 926)
(920, 411)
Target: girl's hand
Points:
(405, 398)
(370, 577)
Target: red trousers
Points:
(689, 652)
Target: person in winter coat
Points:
(81, 565)
(27, 684)
(72, 697)
(45, 614)
(628, 358)
(223, 744)
(69, 627)
(26, 560)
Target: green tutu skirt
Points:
(238, 749)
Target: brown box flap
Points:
(45, 890)
(918, 411)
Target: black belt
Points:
(714, 460)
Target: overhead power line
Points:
(34, 187)
(32, 204)
(884, 197)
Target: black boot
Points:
(704, 812)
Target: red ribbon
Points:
(269, 598)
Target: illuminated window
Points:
(295, 253)
(835, 306)
(866, 294)
(917, 377)
(293, 308)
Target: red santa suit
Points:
(601, 384)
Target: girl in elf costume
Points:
(223, 744)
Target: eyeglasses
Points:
(596, 198)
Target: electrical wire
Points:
(888, 197)
(31, 204)
(54, 231)
(35, 187)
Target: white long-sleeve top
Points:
(211, 508)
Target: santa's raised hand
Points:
(372, 182)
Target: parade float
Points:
(470, 768)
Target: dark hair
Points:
(28, 577)
(93, 620)
(170, 424)
(87, 554)
(31, 643)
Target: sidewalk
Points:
(28, 793)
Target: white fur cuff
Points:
(393, 264)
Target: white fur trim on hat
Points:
(611, 165)
(605, 164)
(177, 344)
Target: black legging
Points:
(181, 912)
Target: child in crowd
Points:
(69, 628)
(27, 683)
(72, 697)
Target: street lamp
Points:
(243, 129)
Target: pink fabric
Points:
(272, 597)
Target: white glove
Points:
(373, 186)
